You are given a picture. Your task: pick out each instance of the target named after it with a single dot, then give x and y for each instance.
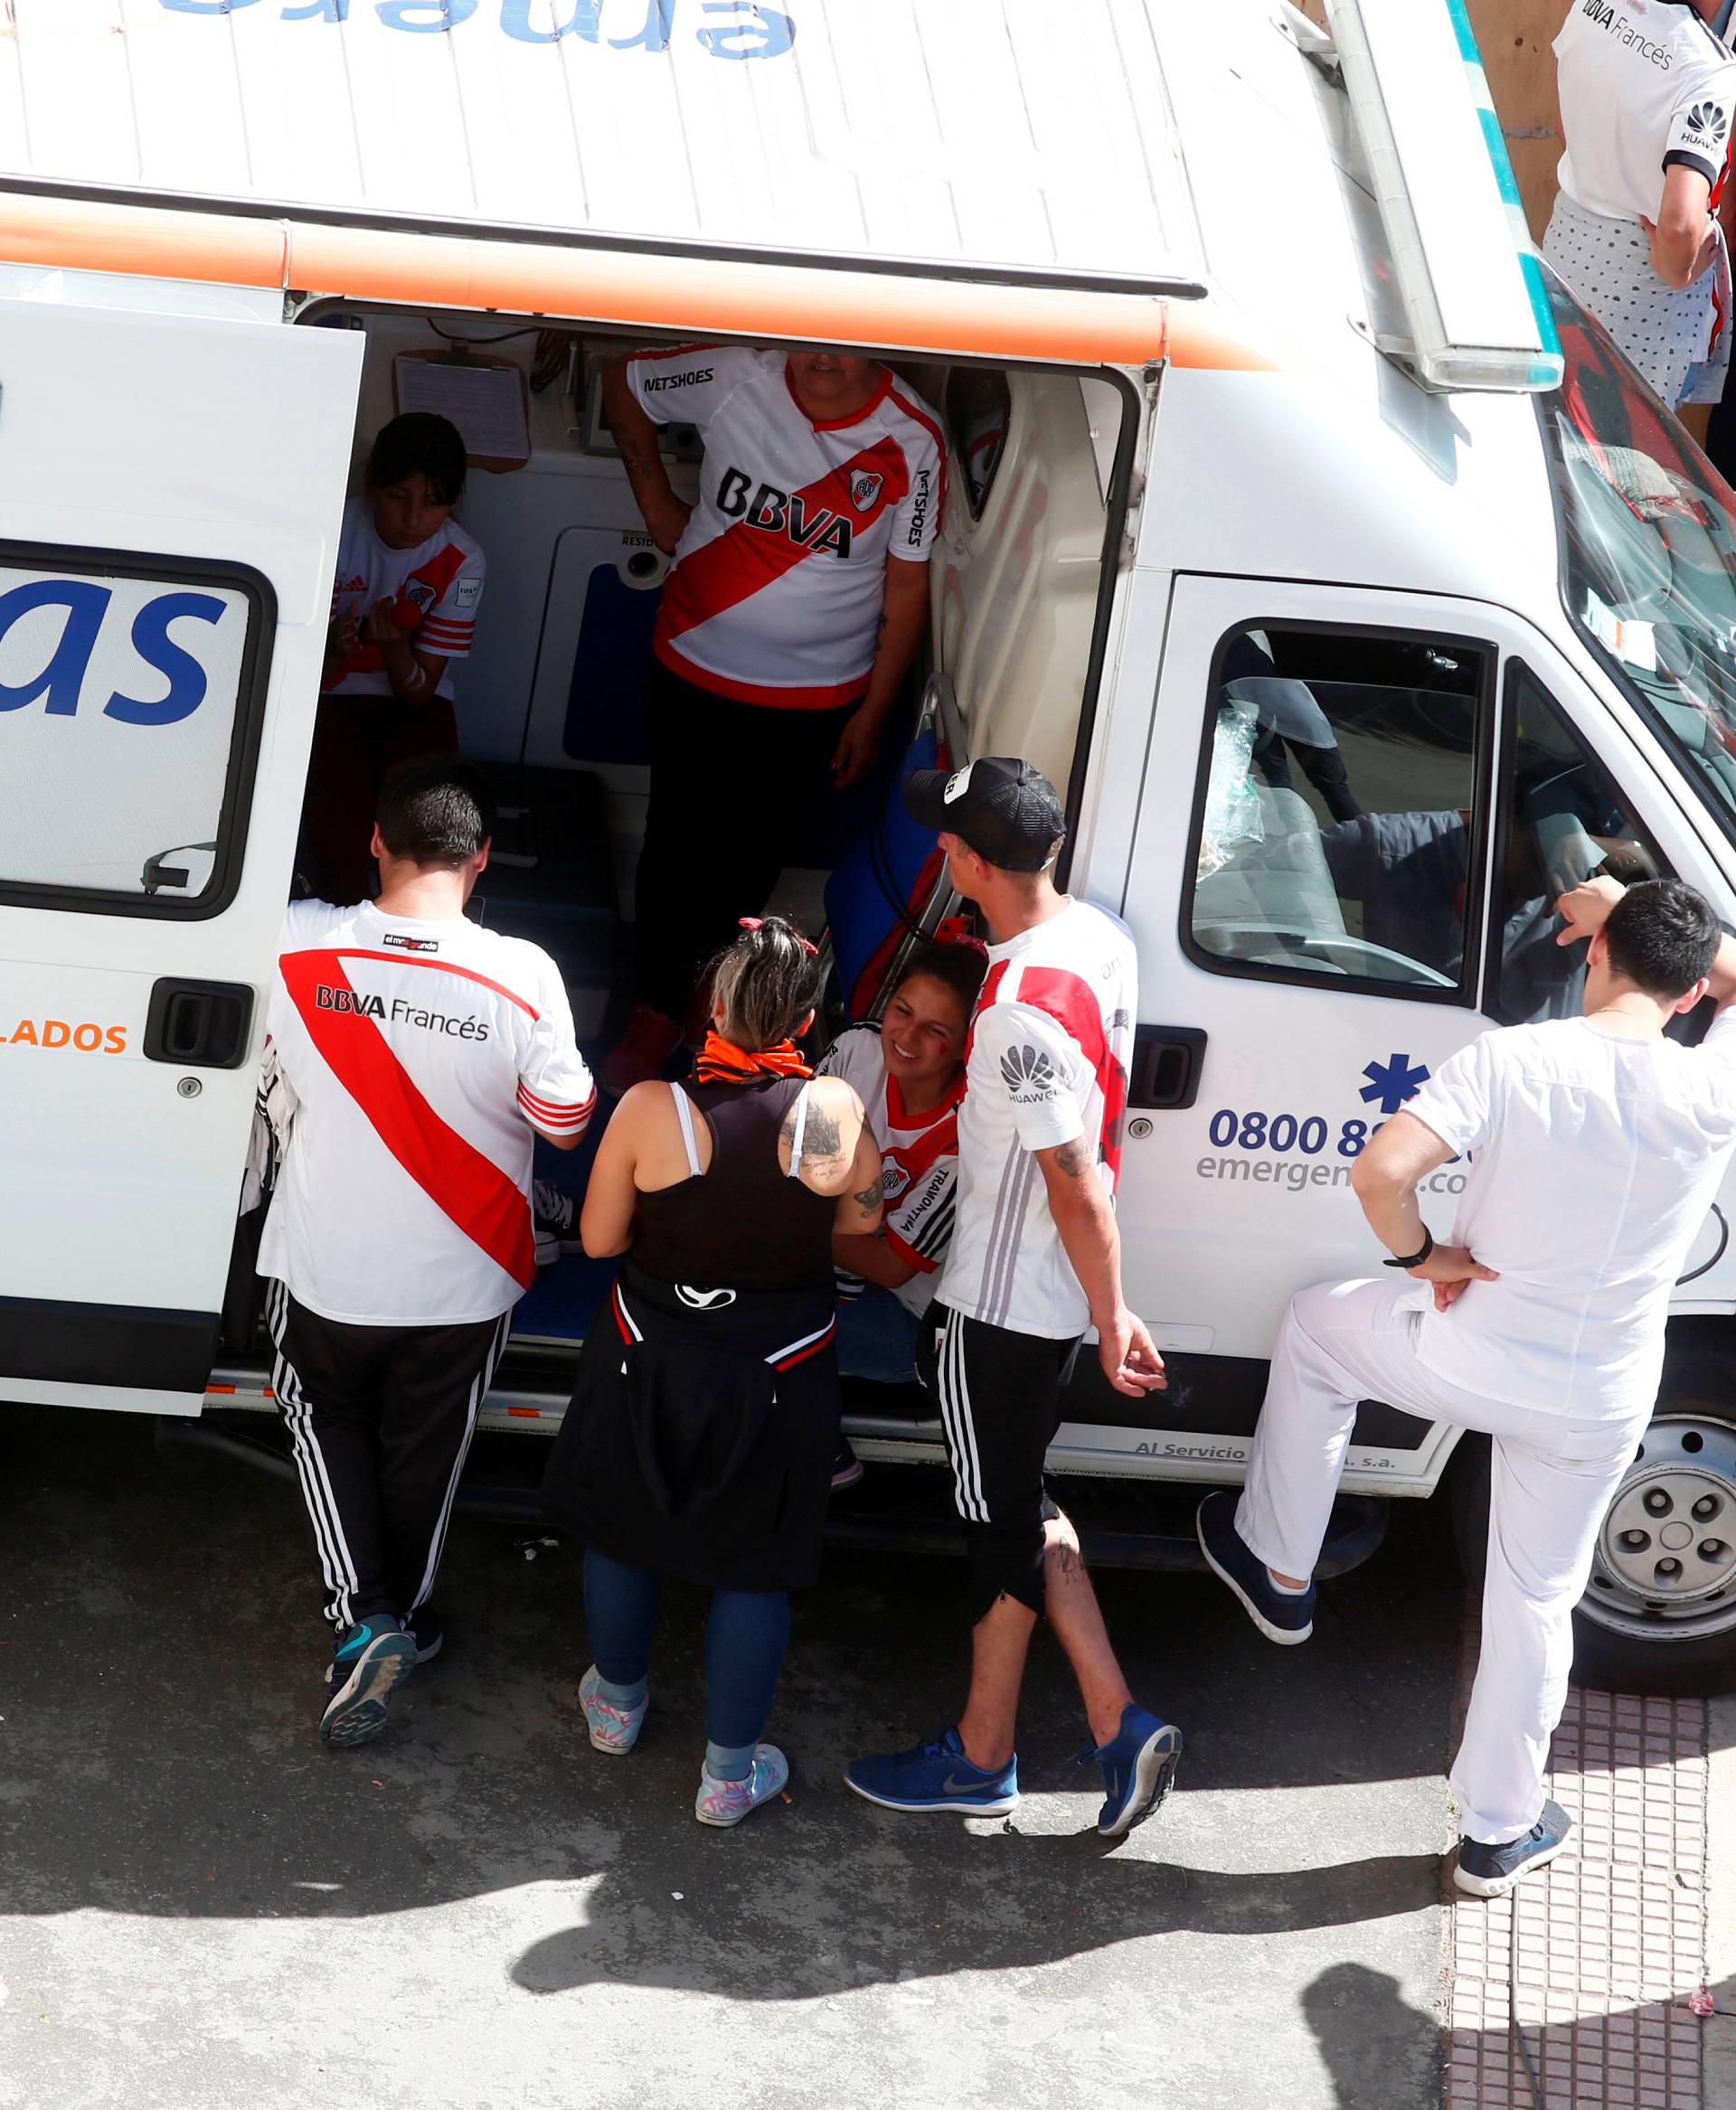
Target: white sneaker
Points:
(727, 1802)
(614, 1730)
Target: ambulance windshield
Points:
(1648, 551)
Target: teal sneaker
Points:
(368, 1661)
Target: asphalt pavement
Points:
(201, 1910)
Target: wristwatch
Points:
(1416, 1259)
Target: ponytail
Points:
(765, 984)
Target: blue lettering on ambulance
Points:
(63, 678)
(158, 649)
(60, 680)
(748, 30)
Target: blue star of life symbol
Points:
(1394, 1081)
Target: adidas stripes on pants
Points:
(1551, 1479)
(1000, 1396)
(379, 1420)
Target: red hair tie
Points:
(957, 930)
(759, 923)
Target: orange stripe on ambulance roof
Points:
(689, 294)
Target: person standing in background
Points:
(404, 607)
(1647, 95)
(798, 596)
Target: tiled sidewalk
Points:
(1609, 1940)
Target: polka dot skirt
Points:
(1608, 264)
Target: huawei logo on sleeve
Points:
(1029, 1074)
(1709, 118)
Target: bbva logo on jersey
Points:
(783, 512)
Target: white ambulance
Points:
(1298, 525)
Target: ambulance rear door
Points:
(172, 470)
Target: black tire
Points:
(1603, 1660)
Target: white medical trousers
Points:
(1551, 1479)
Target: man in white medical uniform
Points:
(1596, 1146)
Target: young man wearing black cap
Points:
(1035, 1258)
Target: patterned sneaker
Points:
(1491, 1871)
(641, 1052)
(1138, 1766)
(726, 1801)
(614, 1730)
(555, 1218)
(369, 1660)
(936, 1776)
(1284, 1617)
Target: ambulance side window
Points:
(1337, 829)
(1561, 821)
(978, 405)
(130, 695)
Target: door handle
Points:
(1167, 1063)
(198, 1025)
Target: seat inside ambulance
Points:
(551, 699)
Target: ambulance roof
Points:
(1002, 139)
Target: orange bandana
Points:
(721, 1061)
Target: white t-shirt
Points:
(1048, 1063)
(919, 1162)
(1643, 85)
(422, 1054)
(1595, 1160)
(779, 579)
(435, 589)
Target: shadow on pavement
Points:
(160, 1678)
(1374, 2044)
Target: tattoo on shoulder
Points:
(821, 1137)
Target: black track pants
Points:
(733, 787)
(380, 1419)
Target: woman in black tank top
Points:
(700, 1438)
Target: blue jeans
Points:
(745, 1639)
(877, 1338)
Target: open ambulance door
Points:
(172, 472)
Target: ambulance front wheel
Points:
(1659, 1613)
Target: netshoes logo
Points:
(55, 1032)
(654, 382)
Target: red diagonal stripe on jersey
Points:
(743, 561)
(1070, 1000)
(487, 1207)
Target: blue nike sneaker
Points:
(936, 1776)
(1491, 1871)
(1138, 1764)
(368, 1661)
(1284, 1617)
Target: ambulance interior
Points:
(552, 697)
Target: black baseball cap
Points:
(1009, 813)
